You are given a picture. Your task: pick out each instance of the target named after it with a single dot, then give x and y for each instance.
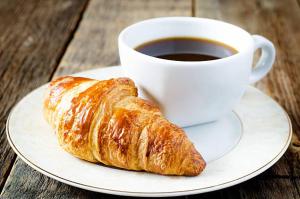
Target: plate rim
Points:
(151, 194)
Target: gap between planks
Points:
(193, 8)
(71, 36)
(128, 17)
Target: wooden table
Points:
(40, 40)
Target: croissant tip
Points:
(196, 169)
(195, 164)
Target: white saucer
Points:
(238, 147)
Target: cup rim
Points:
(174, 62)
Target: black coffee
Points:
(186, 49)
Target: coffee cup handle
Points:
(266, 60)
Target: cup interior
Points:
(158, 28)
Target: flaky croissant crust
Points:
(105, 121)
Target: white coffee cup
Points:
(191, 93)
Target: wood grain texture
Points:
(279, 21)
(257, 188)
(32, 38)
(40, 186)
(95, 43)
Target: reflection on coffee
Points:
(186, 49)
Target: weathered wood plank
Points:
(40, 186)
(279, 21)
(296, 181)
(33, 37)
(258, 188)
(94, 45)
(44, 187)
(246, 14)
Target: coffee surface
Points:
(186, 49)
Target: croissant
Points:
(105, 121)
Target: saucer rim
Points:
(152, 194)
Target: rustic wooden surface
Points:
(95, 42)
(33, 37)
(280, 23)
(41, 40)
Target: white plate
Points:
(238, 147)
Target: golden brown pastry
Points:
(105, 121)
